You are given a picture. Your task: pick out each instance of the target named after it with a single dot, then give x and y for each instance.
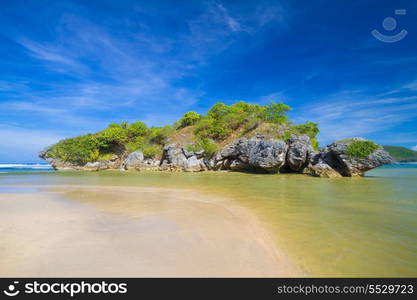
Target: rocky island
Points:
(239, 137)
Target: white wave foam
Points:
(25, 166)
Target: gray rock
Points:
(99, 165)
(192, 164)
(255, 153)
(268, 155)
(174, 156)
(358, 166)
(240, 148)
(229, 151)
(299, 152)
(336, 157)
(178, 158)
(93, 166)
(320, 168)
(57, 164)
(353, 166)
(134, 160)
(226, 164)
(246, 147)
(209, 163)
(203, 166)
(215, 164)
(237, 165)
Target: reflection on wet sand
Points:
(131, 231)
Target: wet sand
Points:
(103, 231)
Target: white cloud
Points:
(106, 76)
(222, 15)
(273, 97)
(137, 69)
(355, 113)
(55, 55)
(219, 25)
(131, 74)
(414, 148)
(32, 107)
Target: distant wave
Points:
(34, 166)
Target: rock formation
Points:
(133, 160)
(255, 154)
(176, 157)
(334, 161)
(299, 153)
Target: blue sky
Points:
(72, 67)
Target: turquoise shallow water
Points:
(330, 227)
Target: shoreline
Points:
(115, 231)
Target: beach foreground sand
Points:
(91, 231)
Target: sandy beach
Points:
(91, 231)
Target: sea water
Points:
(329, 227)
(24, 167)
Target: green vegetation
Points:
(80, 149)
(150, 151)
(401, 154)
(115, 139)
(222, 120)
(189, 118)
(361, 149)
(275, 113)
(203, 132)
(309, 129)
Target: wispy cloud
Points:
(46, 53)
(219, 26)
(108, 72)
(352, 113)
(53, 54)
(32, 107)
(222, 15)
(273, 97)
(85, 66)
(122, 75)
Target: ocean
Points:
(25, 167)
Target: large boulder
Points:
(178, 158)
(134, 160)
(299, 152)
(268, 155)
(174, 156)
(191, 164)
(255, 153)
(335, 160)
(349, 165)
